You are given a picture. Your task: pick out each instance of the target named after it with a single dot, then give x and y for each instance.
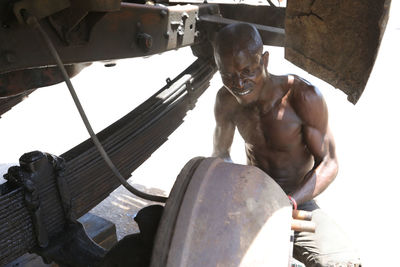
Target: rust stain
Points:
(150, 19)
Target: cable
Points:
(271, 4)
(31, 20)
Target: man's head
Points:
(238, 54)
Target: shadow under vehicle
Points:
(336, 41)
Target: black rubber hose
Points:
(31, 20)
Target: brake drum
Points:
(223, 214)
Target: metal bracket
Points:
(73, 247)
(28, 177)
(59, 238)
(39, 8)
(75, 24)
(62, 185)
(182, 25)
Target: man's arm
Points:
(312, 109)
(224, 128)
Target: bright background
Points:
(363, 199)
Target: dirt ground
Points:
(122, 206)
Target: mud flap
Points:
(336, 40)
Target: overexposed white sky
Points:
(364, 197)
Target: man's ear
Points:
(265, 58)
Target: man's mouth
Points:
(242, 92)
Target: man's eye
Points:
(246, 71)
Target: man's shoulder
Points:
(225, 99)
(223, 94)
(225, 105)
(307, 100)
(303, 92)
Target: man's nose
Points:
(238, 81)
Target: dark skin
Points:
(282, 119)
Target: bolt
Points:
(145, 41)
(163, 13)
(181, 31)
(185, 15)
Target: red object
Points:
(293, 201)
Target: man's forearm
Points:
(316, 181)
(223, 138)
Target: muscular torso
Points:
(274, 140)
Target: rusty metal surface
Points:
(268, 20)
(75, 24)
(38, 8)
(17, 82)
(242, 2)
(230, 215)
(270, 35)
(98, 5)
(8, 103)
(303, 226)
(302, 215)
(166, 227)
(129, 142)
(337, 40)
(182, 25)
(263, 15)
(113, 36)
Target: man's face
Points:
(243, 75)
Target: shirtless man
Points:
(284, 123)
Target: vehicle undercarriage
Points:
(45, 194)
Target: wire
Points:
(271, 4)
(31, 20)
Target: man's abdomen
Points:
(287, 168)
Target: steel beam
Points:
(133, 31)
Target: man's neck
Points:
(270, 94)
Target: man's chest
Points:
(278, 129)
